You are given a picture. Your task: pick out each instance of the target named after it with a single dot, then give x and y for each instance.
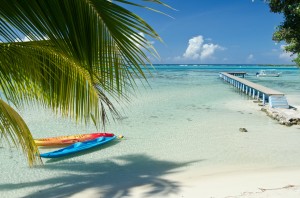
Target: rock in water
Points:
(243, 130)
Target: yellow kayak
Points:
(69, 139)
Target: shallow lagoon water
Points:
(188, 119)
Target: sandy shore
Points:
(275, 183)
(259, 183)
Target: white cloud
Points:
(198, 50)
(250, 57)
(177, 58)
(288, 56)
(142, 34)
(138, 40)
(25, 39)
(208, 50)
(193, 51)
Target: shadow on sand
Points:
(109, 179)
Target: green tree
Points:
(80, 57)
(289, 30)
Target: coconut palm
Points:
(77, 57)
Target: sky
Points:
(216, 32)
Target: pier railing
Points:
(255, 90)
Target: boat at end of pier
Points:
(268, 73)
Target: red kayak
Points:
(69, 139)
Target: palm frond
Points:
(82, 54)
(33, 71)
(94, 32)
(14, 129)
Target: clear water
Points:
(188, 119)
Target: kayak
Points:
(77, 147)
(70, 139)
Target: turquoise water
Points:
(187, 120)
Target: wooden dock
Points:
(238, 74)
(255, 90)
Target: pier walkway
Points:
(275, 98)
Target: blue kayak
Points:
(77, 147)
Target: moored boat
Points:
(268, 73)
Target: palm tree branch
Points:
(13, 128)
(33, 71)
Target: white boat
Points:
(268, 73)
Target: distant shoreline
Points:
(283, 65)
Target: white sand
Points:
(245, 184)
(276, 183)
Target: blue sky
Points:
(217, 32)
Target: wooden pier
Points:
(238, 74)
(255, 90)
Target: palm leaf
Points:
(13, 128)
(82, 55)
(48, 78)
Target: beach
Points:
(181, 139)
(275, 183)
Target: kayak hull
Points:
(70, 139)
(78, 147)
